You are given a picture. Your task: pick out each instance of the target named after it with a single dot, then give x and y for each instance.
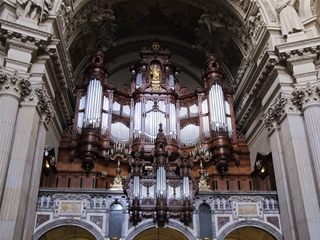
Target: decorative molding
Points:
(270, 13)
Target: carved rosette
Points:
(45, 104)
(275, 112)
(306, 96)
(14, 84)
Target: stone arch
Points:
(62, 222)
(113, 201)
(258, 224)
(134, 231)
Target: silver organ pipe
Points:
(82, 104)
(161, 181)
(137, 120)
(116, 108)
(194, 111)
(104, 122)
(217, 108)
(212, 109)
(229, 124)
(206, 126)
(119, 132)
(173, 121)
(136, 187)
(93, 103)
(183, 113)
(153, 119)
(190, 135)
(126, 110)
(185, 186)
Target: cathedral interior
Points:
(157, 119)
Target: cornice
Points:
(17, 62)
(24, 33)
(261, 79)
(299, 48)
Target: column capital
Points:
(281, 107)
(40, 98)
(306, 96)
(14, 84)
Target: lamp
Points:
(117, 153)
(201, 154)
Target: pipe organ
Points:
(160, 123)
(154, 97)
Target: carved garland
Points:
(45, 104)
(275, 112)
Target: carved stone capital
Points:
(306, 96)
(275, 112)
(14, 84)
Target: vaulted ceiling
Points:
(190, 29)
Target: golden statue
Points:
(155, 74)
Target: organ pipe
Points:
(229, 123)
(93, 103)
(136, 186)
(161, 181)
(186, 190)
(173, 120)
(217, 108)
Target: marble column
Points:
(307, 99)
(24, 170)
(13, 88)
(34, 184)
(281, 174)
(295, 183)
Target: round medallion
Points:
(155, 46)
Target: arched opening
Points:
(115, 221)
(249, 233)
(206, 230)
(160, 233)
(68, 233)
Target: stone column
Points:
(307, 100)
(22, 171)
(13, 88)
(293, 170)
(47, 113)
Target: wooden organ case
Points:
(162, 127)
